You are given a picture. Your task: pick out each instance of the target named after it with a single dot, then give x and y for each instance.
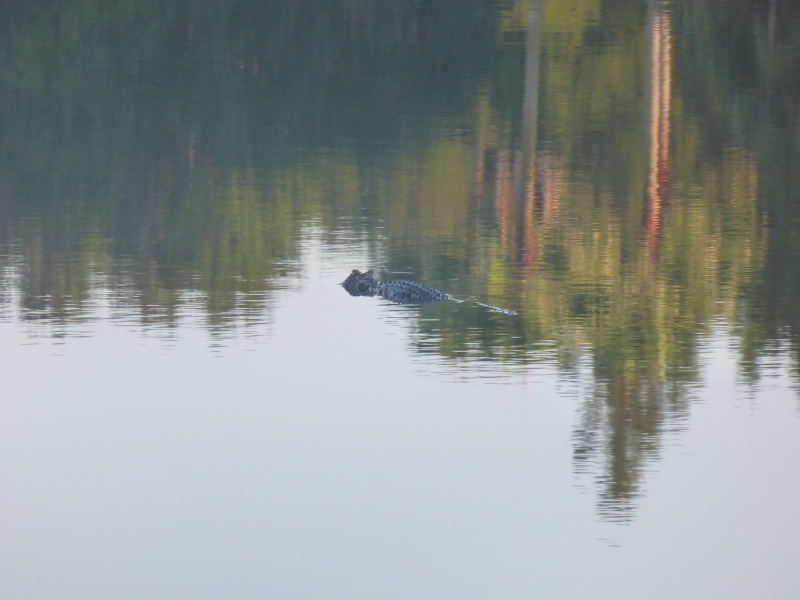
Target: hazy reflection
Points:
(578, 164)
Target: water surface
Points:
(194, 408)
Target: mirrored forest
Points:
(624, 174)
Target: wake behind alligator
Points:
(403, 291)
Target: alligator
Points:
(403, 291)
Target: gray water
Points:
(194, 408)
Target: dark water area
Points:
(193, 407)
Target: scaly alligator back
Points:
(410, 292)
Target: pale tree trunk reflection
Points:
(659, 91)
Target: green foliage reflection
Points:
(622, 173)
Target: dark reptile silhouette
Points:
(403, 291)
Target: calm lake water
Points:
(194, 408)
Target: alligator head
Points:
(361, 284)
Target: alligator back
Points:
(410, 292)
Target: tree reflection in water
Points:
(609, 168)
